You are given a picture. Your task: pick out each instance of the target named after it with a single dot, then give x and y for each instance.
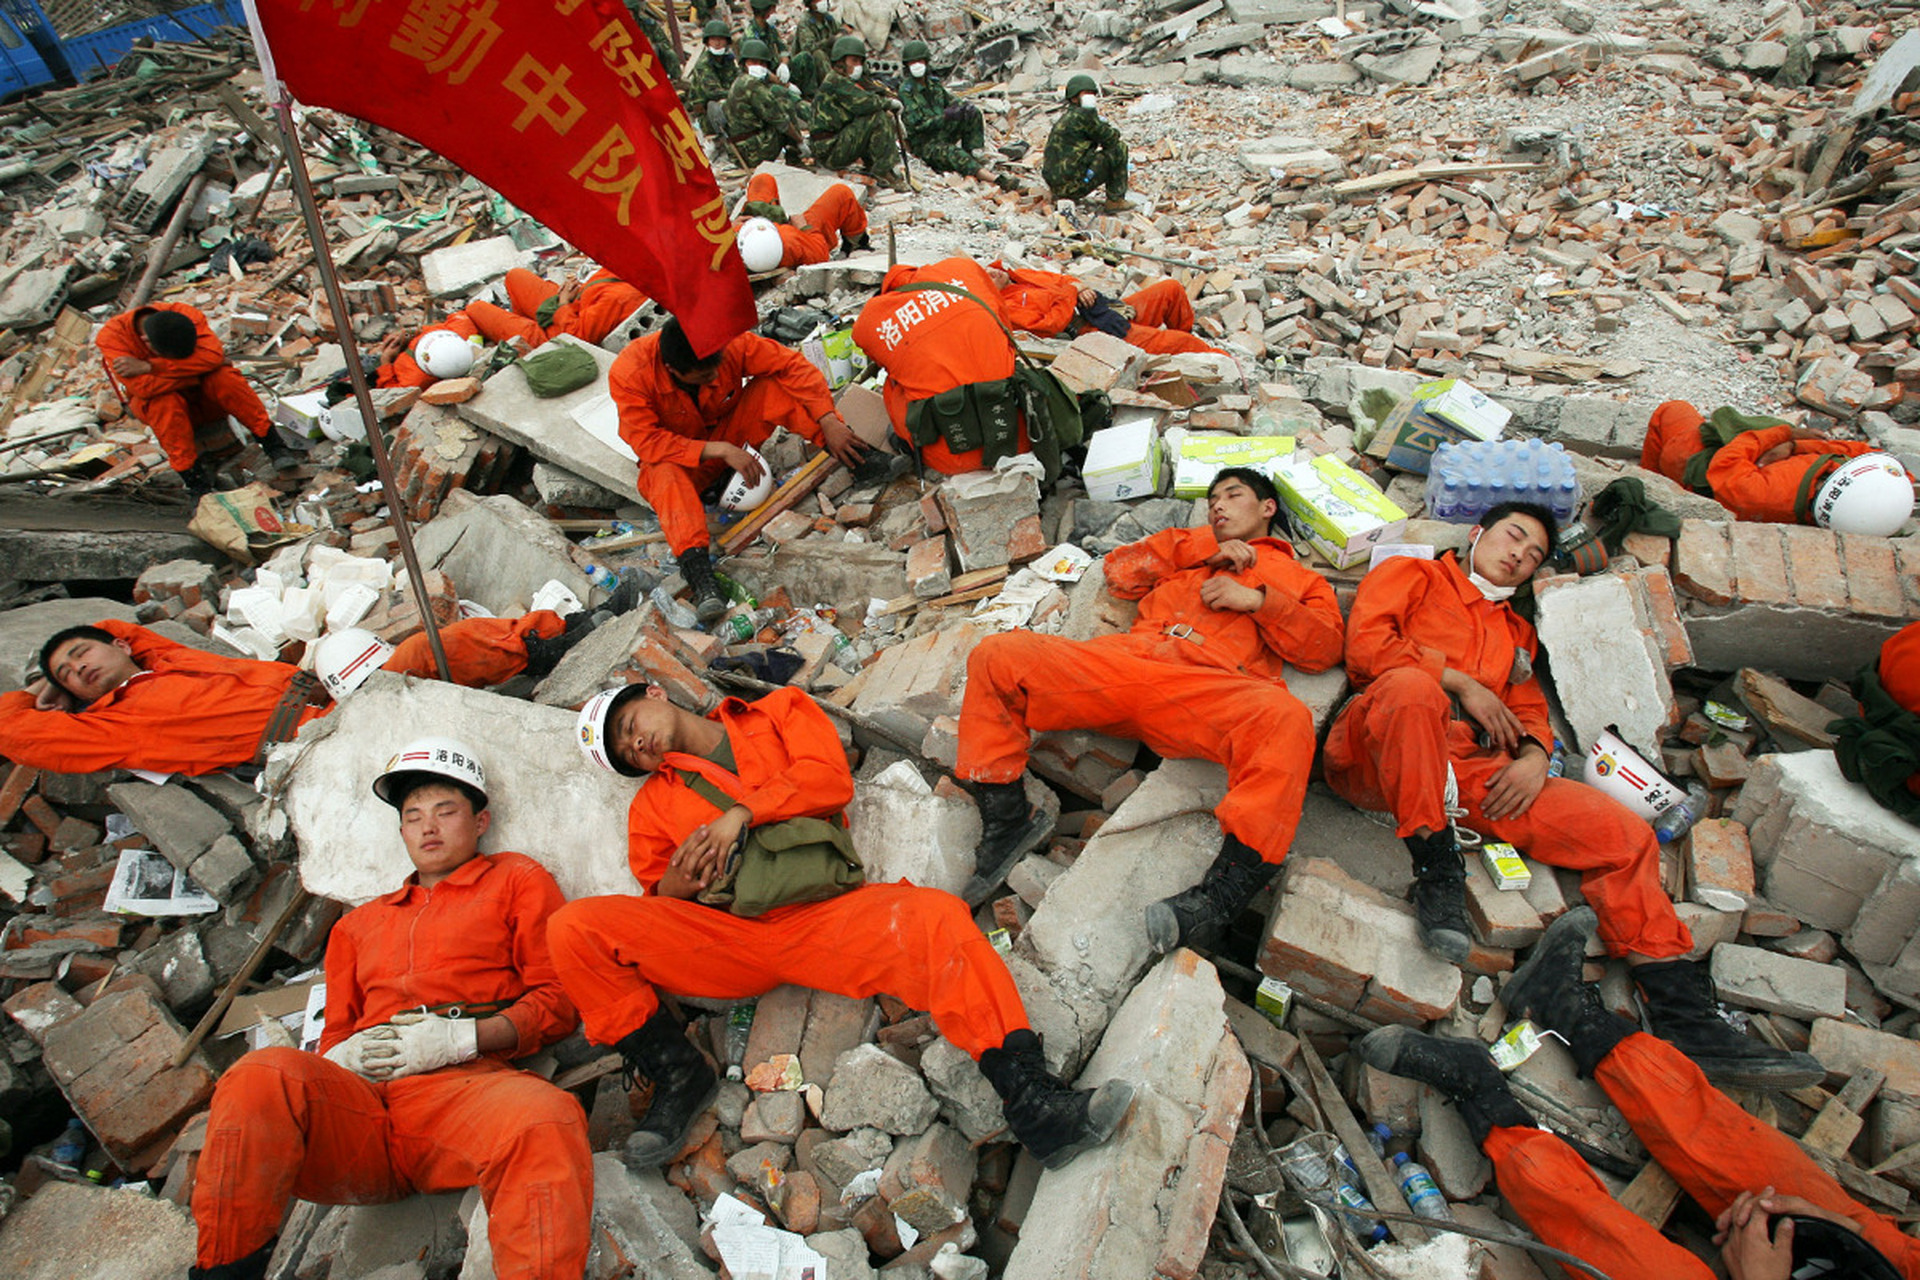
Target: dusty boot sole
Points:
(645, 1152)
(1105, 1110)
(1454, 1067)
(1163, 926)
(1792, 1071)
(1556, 958)
(1032, 836)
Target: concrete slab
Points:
(1606, 668)
(497, 551)
(578, 431)
(548, 801)
(460, 270)
(50, 555)
(799, 187)
(68, 1229)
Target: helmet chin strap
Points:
(1482, 585)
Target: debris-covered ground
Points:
(1583, 208)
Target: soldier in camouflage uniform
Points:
(712, 75)
(656, 33)
(813, 45)
(852, 118)
(762, 114)
(1084, 151)
(947, 134)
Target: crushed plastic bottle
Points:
(1311, 1172)
(1678, 818)
(676, 612)
(1468, 479)
(739, 628)
(739, 1027)
(71, 1145)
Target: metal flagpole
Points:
(282, 104)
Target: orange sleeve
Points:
(1743, 486)
(146, 645)
(403, 372)
(1041, 302)
(1899, 1248)
(764, 358)
(67, 741)
(119, 337)
(1138, 567)
(544, 1014)
(1377, 636)
(630, 384)
(346, 998)
(1300, 620)
(817, 782)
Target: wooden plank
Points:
(1382, 1188)
(1651, 1195)
(1839, 1121)
(1428, 173)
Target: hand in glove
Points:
(894, 105)
(354, 1054)
(417, 1042)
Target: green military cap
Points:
(755, 51)
(1081, 84)
(849, 47)
(717, 29)
(916, 51)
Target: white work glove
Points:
(417, 1042)
(351, 1053)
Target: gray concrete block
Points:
(967, 1101)
(177, 822)
(497, 551)
(55, 555)
(1606, 668)
(460, 270)
(1774, 638)
(552, 428)
(1757, 979)
(71, 1229)
(1602, 427)
(904, 832)
(872, 1089)
(1448, 1150)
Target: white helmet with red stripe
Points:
(344, 659)
(450, 758)
(1623, 773)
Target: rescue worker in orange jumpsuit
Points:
(398, 368)
(1769, 475)
(835, 217)
(432, 991)
(776, 759)
(1450, 725)
(172, 373)
(539, 311)
(931, 342)
(689, 420)
(1159, 317)
(1879, 748)
(1222, 610)
(1737, 1168)
(118, 696)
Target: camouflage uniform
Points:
(1084, 152)
(656, 33)
(708, 82)
(762, 118)
(851, 126)
(767, 33)
(952, 145)
(812, 43)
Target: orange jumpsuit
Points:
(405, 371)
(1045, 302)
(194, 712)
(286, 1123)
(605, 300)
(761, 385)
(1899, 671)
(1775, 492)
(917, 944)
(1713, 1149)
(1188, 680)
(811, 237)
(1389, 748)
(930, 342)
(176, 394)
(1673, 437)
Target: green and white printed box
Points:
(1338, 509)
(1205, 455)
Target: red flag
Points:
(560, 106)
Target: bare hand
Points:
(48, 696)
(1502, 726)
(1086, 296)
(1228, 596)
(392, 347)
(1512, 791)
(130, 366)
(837, 438)
(701, 854)
(1779, 453)
(1808, 433)
(749, 467)
(1744, 1245)
(1233, 555)
(569, 293)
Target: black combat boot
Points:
(544, 652)
(1548, 989)
(683, 1085)
(1677, 998)
(1049, 1117)
(1199, 916)
(199, 479)
(1010, 828)
(251, 1267)
(697, 569)
(1439, 895)
(1461, 1069)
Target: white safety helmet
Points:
(344, 659)
(341, 422)
(444, 354)
(1871, 495)
(448, 757)
(595, 719)
(1623, 773)
(760, 246)
(741, 496)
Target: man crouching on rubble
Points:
(431, 991)
(752, 766)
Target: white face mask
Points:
(1480, 584)
(1090, 101)
(918, 70)
(719, 50)
(757, 71)
(784, 73)
(857, 70)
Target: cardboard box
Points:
(1124, 461)
(1342, 515)
(1444, 411)
(1204, 455)
(1505, 865)
(1273, 998)
(832, 354)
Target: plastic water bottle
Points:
(1315, 1174)
(739, 628)
(71, 1145)
(1678, 818)
(1557, 763)
(1422, 1192)
(601, 576)
(1378, 1137)
(675, 612)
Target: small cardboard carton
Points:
(831, 352)
(1504, 865)
(1444, 411)
(1205, 455)
(1338, 509)
(1124, 461)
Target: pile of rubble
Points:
(1551, 201)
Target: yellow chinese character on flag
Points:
(448, 35)
(611, 168)
(545, 94)
(682, 147)
(634, 68)
(711, 221)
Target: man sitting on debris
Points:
(770, 239)
(423, 359)
(945, 132)
(432, 991)
(709, 781)
(541, 310)
(690, 421)
(172, 373)
(1740, 1169)
(118, 696)
(763, 115)
(1084, 152)
(1767, 470)
(1450, 727)
(853, 118)
(710, 77)
(1156, 318)
(813, 42)
(1880, 747)
(1222, 609)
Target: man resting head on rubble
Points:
(1741, 1170)
(1223, 608)
(172, 373)
(433, 991)
(711, 782)
(539, 311)
(770, 239)
(404, 362)
(1157, 317)
(1880, 747)
(1450, 730)
(114, 695)
(690, 419)
(1767, 470)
